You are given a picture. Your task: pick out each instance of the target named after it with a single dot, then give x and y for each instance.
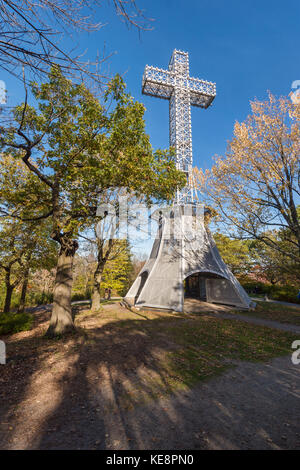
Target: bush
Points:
(283, 293)
(13, 323)
(81, 296)
(39, 298)
(14, 300)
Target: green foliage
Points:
(14, 323)
(82, 277)
(245, 256)
(14, 300)
(284, 293)
(273, 265)
(32, 298)
(235, 253)
(118, 269)
(25, 246)
(39, 298)
(86, 295)
(78, 149)
(74, 148)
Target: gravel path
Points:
(253, 406)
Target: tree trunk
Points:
(61, 321)
(9, 291)
(96, 294)
(23, 292)
(101, 260)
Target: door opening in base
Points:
(195, 285)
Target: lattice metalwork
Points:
(182, 91)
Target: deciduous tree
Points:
(118, 268)
(255, 186)
(77, 149)
(25, 246)
(235, 253)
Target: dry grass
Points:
(276, 312)
(136, 357)
(118, 360)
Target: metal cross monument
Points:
(185, 262)
(182, 91)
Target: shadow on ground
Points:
(101, 390)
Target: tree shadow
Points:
(108, 390)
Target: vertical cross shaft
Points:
(180, 122)
(182, 91)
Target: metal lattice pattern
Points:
(182, 91)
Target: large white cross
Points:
(182, 91)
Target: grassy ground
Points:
(117, 361)
(183, 349)
(144, 355)
(276, 312)
(75, 392)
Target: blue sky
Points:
(246, 47)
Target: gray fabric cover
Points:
(180, 250)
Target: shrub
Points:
(14, 300)
(81, 296)
(13, 323)
(39, 298)
(284, 293)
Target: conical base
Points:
(183, 252)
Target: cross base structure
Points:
(188, 265)
(184, 260)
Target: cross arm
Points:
(158, 82)
(202, 92)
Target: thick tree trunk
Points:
(7, 303)
(96, 294)
(23, 292)
(9, 290)
(96, 298)
(61, 321)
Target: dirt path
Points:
(254, 406)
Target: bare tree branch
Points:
(30, 32)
